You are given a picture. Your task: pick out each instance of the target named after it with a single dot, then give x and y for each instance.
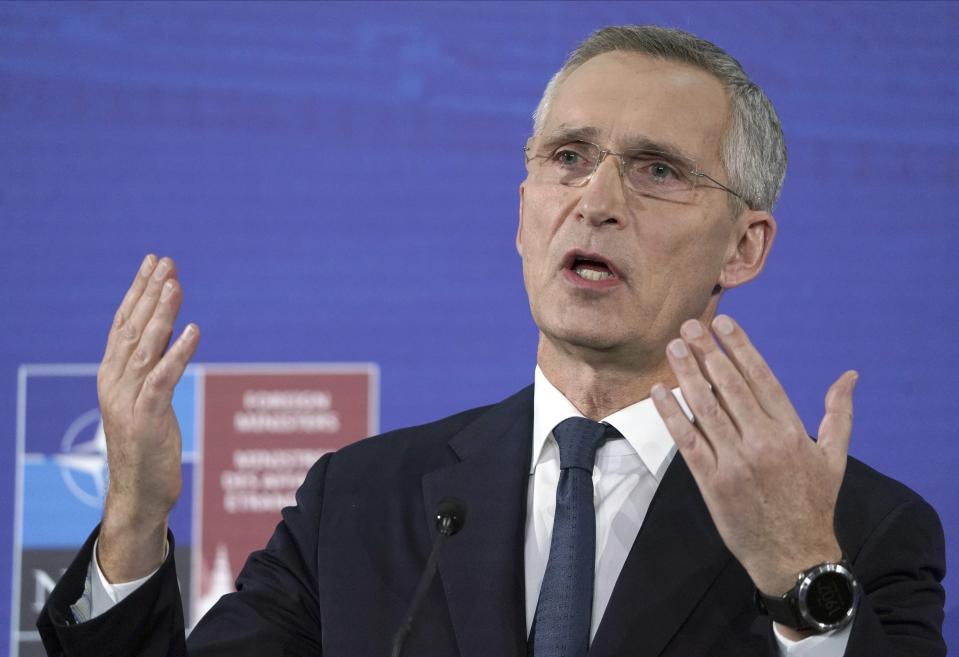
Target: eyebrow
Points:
(632, 143)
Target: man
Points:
(652, 170)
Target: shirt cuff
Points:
(830, 644)
(99, 595)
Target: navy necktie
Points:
(564, 609)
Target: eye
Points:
(660, 171)
(566, 157)
(575, 156)
(652, 173)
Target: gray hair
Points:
(753, 149)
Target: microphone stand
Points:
(449, 519)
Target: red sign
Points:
(261, 431)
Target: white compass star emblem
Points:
(88, 458)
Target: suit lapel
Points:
(673, 562)
(482, 566)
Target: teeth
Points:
(592, 274)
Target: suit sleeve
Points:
(900, 567)
(275, 610)
(148, 623)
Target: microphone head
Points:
(450, 515)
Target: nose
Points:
(603, 156)
(603, 199)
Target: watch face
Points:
(829, 598)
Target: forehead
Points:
(629, 97)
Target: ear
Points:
(519, 227)
(754, 235)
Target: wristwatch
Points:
(824, 598)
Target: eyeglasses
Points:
(649, 173)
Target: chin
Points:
(589, 327)
(595, 338)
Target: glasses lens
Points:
(570, 163)
(656, 174)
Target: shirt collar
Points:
(639, 423)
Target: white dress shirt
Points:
(625, 478)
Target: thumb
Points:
(835, 430)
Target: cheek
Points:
(534, 252)
(543, 213)
(668, 242)
(684, 250)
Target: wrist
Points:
(129, 548)
(778, 578)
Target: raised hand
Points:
(771, 491)
(135, 385)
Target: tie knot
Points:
(578, 439)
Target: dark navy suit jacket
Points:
(341, 567)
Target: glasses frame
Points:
(603, 152)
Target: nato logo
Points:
(83, 459)
(64, 475)
(64, 454)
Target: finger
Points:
(122, 315)
(760, 379)
(129, 336)
(835, 430)
(728, 385)
(156, 393)
(696, 450)
(711, 419)
(157, 332)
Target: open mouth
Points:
(591, 270)
(590, 267)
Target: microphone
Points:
(450, 517)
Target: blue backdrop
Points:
(338, 183)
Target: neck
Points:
(598, 385)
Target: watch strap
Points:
(781, 609)
(797, 608)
